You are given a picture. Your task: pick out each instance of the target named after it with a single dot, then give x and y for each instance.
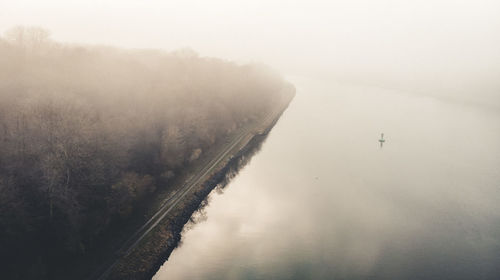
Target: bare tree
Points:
(30, 38)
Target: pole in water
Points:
(381, 140)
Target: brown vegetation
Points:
(88, 132)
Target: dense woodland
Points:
(88, 131)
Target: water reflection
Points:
(322, 202)
(232, 169)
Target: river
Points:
(323, 200)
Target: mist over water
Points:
(447, 48)
(323, 200)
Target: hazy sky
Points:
(446, 46)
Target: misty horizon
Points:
(226, 139)
(438, 48)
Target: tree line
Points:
(88, 131)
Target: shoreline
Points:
(144, 261)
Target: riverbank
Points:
(143, 260)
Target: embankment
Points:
(155, 249)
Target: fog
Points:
(122, 96)
(322, 199)
(89, 133)
(441, 48)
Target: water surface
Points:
(322, 200)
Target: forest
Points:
(87, 132)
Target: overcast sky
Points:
(447, 46)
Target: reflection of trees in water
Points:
(225, 176)
(240, 161)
